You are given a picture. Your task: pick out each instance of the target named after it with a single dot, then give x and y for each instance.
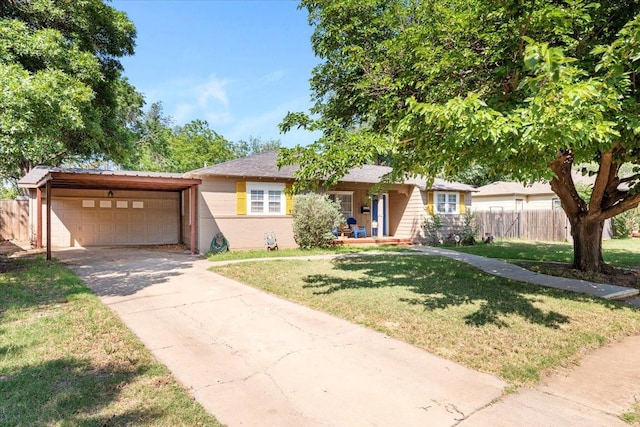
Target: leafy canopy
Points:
(62, 92)
(435, 87)
(160, 146)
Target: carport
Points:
(43, 180)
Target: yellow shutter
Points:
(463, 206)
(430, 202)
(289, 199)
(241, 198)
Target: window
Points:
(345, 199)
(265, 198)
(555, 203)
(446, 203)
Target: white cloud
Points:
(265, 126)
(219, 101)
(183, 113)
(213, 89)
(188, 99)
(272, 77)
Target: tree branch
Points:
(562, 184)
(627, 203)
(630, 178)
(601, 183)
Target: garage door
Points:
(104, 222)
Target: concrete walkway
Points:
(510, 271)
(253, 359)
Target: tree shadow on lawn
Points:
(34, 282)
(440, 283)
(68, 391)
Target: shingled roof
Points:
(508, 188)
(263, 165)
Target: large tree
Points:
(153, 131)
(62, 92)
(523, 88)
(195, 145)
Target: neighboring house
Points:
(513, 196)
(243, 198)
(537, 200)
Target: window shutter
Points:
(241, 198)
(288, 199)
(463, 207)
(430, 202)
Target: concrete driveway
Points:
(253, 359)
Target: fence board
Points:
(14, 220)
(543, 225)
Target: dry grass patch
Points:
(514, 330)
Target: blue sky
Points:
(239, 65)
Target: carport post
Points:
(38, 218)
(192, 212)
(48, 220)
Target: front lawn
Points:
(296, 252)
(511, 329)
(66, 359)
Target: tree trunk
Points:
(587, 245)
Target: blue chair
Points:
(360, 230)
(357, 231)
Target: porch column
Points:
(48, 220)
(380, 217)
(38, 218)
(192, 212)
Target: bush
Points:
(432, 228)
(314, 218)
(469, 229)
(625, 223)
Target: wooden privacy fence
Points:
(14, 220)
(545, 225)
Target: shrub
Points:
(625, 223)
(314, 218)
(432, 228)
(469, 229)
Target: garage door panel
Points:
(122, 239)
(87, 215)
(157, 222)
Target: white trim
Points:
(447, 202)
(265, 188)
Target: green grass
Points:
(66, 359)
(623, 253)
(283, 253)
(511, 329)
(632, 416)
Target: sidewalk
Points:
(510, 271)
